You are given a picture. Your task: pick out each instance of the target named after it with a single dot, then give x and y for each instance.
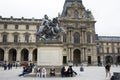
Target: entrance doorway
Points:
(1, 55)
(118, 60)
(24, 55)
(35, 55)
(12, 55)
(77, 57)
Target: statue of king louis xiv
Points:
(49, 30)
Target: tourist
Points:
(107, 68)
(39, 71)
(5, 66)
(70, 71)
(44, 72)
(81, 67)
(26, 70)
(63, 72)
(52, 71)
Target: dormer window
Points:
(76, 14)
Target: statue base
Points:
(50, 53)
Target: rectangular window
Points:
(16, 38)
(16, 26)
(5, 26)
(118, 50)
(26, 38)
(98, 51)
(4, 38)
(37, 27)
(27, 27)
(107, 49)
(64, 38)
(89, 38)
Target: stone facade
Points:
(18, 40)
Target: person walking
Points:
(107, 68)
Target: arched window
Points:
(76, 14)
(76, 37)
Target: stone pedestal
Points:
(50, 54)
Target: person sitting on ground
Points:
(70, 71)
(63, 72)
(52, 71)
(26, 71)
(44, 73)
(38, 74)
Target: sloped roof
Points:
(109, 38)
(67, 3)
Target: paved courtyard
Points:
(90, 73)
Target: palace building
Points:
(81, 44)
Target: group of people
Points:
(9, 65)
(41, 72)
(67, 72)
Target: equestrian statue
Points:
(49, 29)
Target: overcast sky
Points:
(105, 12)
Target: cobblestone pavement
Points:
(90, 73)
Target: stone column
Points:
(70, 36)
(102, 59)
(82, 37)
(83, 55)
(72, 54)
(6, 55)
(30, 55)
(94, 55)
(114, 59)
(85, 37)
(91, 38)
(18, 55)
